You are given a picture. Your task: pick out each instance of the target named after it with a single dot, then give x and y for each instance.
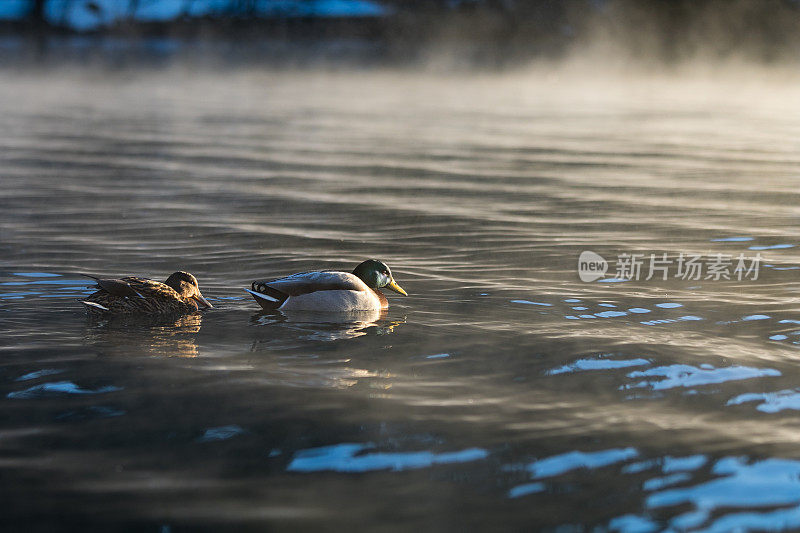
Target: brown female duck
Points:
(178, 295)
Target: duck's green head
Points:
(186, 285)
(377, 276)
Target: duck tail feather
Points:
(268, 301)
(94, 305)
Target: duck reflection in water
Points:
(294, 342)
(329, 326)
(145, 335)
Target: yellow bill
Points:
(396, 288)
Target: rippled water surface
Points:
(503, 393)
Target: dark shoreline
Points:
(655, 33)
(281, 42)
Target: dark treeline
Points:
(495, 30)
(660, 30)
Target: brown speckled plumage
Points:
(134, 295)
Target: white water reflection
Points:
(632, 524)
(671, 320)
(57, 388)
(742, 484)
(771, 247)
(770, 402)
(559, 464)
(667, 377)
(328, 327)
(682, 464)
(221, 433)
(667, 464)
(40, 373)
(686, 376)
(526, 489)
(348, 457)
(749, 318)
(657, 483)
(582, 365)
(779, 520)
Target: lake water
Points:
(503, 393)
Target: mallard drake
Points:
(328, 290)
(179, 294)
